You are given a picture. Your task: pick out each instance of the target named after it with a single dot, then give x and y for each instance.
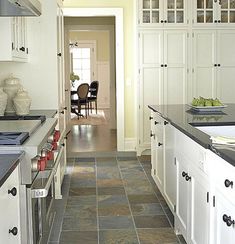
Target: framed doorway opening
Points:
(119, 59)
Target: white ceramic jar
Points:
(12, 85)
(3, 101)
(22, 102)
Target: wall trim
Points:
(130, 144)
(119, 32)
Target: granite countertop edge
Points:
(225, 152)
(11, 161)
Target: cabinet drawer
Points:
(223, 175)
(192, 150)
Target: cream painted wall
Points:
(101, 38)
(130, 83)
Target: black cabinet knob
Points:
(13, 191)
(187, 178)
(22, 49)
(165, 21)
(184, 174)
(165, 122)
(215, 65)
(13, 231)
(215, 21)
(65, 108)
(162, 65)
(62, 112)
(59, 54)
(227, 219)
(150, 118)
(228, 183)
(218, 65)
(155, 122)
(219, 21)
(162, 21)
(66, 90)
(151, 134)
(165, 65)
(63, 144)
(160, 144)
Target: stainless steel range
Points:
(38, 138)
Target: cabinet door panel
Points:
(170, 167)
(175, 49)
(199, 210)
(204, 59)
(224, 233)
(226, 72)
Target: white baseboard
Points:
(130, 144)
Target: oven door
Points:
(42, 199)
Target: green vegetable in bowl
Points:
(206, 102)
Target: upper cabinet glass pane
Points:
(170, 4)
(224, 4)
(180, 4)
(209, 4)
(146, 4)
(155, 4)
(232, 4)
(200, 3)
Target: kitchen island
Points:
(194, 175)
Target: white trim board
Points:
(118, 13)
(130, 144)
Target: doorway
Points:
(119, 60)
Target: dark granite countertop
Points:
(184, 119)
(49, 113)
(8, 162)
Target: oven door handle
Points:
(42, 192)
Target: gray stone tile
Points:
(80, 160)
(82, 200)
(157, 236)
(136, 199)
(126, 158)
(111, 191)
(75, 223)
(126, 165)
(147, 209)
(86, 191)
(86, 211)
(118, 237)
(109, 182)
(79, 237)
(83, 183)
(114, 210)
(156, 221)
(105, 200)
(108, 173)
(104, 162)
(141, 190)
(117, 222)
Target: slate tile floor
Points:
(112, 201)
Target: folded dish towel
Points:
(223, 140)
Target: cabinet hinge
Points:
(214, 201)
(207, 197)
(138, 21)
(139, 35)
(193, 35)
(174, 160)
(193, 21)
(187, 70)
(139, 71)
(174, 209)
(12, 46)
(187, 21)
(188, 35)
(139, 142)
(139, 106)
(193, 70)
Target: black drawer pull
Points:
(184, 174)
(150, 118)
(155, 122)
(151, 134)
(228, 183)
(227, 219)
(188, 178)
(160, 144)
(13, 191)
(14, 231)
(165, 122)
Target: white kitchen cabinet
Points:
(10, 209)
(214, 13)
(153, 143)
(13, 47)
(169, 166)
(214, 64)
(162, 12)
(162, 74)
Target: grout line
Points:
(128, 203)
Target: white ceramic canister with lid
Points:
(3, 101)
(12, 85)
(22, 102)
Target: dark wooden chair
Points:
(82, 93)
(94, 87)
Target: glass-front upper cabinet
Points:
(214, 11)
(162, 12)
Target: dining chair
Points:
(82, 93)
(93, 89)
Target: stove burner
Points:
(13, 138)
(24, 117)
